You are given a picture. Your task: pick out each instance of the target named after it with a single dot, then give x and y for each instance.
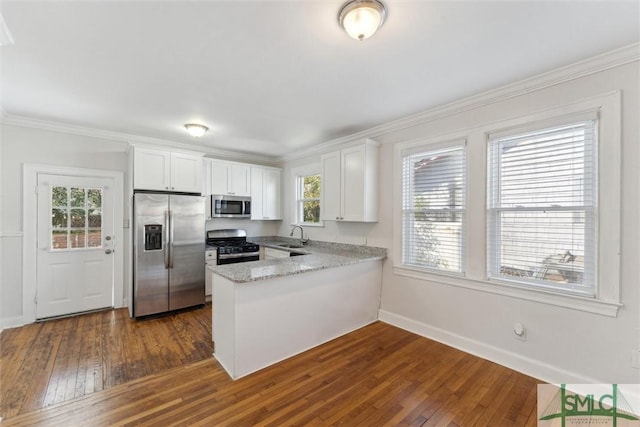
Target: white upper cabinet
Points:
(229, 178)
(265, 193)
(350, 183)
(166, 171)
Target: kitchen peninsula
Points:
(266, 311)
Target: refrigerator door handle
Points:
(170, 245)
(167, 246)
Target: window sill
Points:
(589, 305)
(304, 224)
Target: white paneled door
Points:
(75, 265)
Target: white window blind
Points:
(542, 207)
(433, 208)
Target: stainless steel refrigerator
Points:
(169, 252)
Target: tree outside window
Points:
(308, 199)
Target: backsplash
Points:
(253, 228)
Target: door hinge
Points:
(35, 299)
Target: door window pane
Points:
(94, 198)
(94, 238)
(77, 197)
(59, 197)
(76, 218)
(59, 218)
(77, 238)
(59, 239)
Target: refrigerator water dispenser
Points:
(153, 237)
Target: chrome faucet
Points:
(302, 239)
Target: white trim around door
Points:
(30, 232)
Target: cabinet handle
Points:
(337, 218)
(231, 193)
(166, 188)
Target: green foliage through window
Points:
(76, 218)
(308, 199)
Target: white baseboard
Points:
(11, 322)
(534, 368)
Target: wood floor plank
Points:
(378, 375)
(46, 363)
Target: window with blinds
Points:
(541, 200)
(433, 208)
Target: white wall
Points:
(563, 345)
(253, 228)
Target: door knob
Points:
(108, 251)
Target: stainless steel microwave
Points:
(223, 206)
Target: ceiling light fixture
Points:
(196, 130)
(362, 18)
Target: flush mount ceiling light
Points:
(362, 18)
(196, 130)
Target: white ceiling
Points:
(273, 77)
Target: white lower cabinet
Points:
(265, 193)
(260, 323)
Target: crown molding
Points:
(612, 59)
(132, 140)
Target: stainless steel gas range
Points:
(228, 246)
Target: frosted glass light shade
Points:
(196, 130)
(361, 18)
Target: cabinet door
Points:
(330, 194)
(257, 201)
(240, 180)
(151, 169)
(186, 173)
(219, 177)
(271, 194)
(353, 183)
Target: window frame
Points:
(434, 148)
(493, 212)
(606, 302)
(297, 175)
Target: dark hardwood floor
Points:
(377, 375)
(59, 360)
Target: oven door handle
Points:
(239, 255)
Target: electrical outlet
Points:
(520, 331)
(635, 359)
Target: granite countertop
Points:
(318, 256)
